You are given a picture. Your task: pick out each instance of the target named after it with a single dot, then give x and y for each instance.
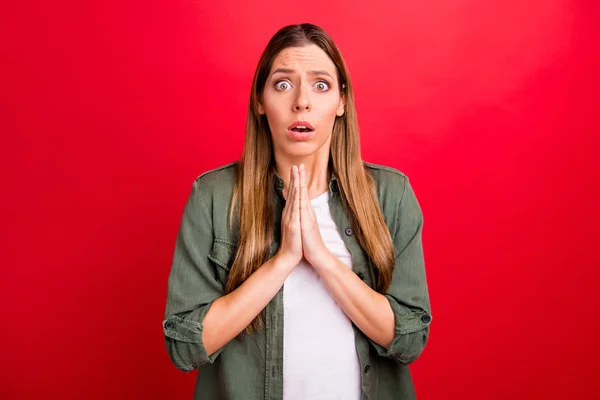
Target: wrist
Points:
(283, 262)
(324, 262)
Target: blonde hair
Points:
(254, 173)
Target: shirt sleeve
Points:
(192, 286)
(408, 292)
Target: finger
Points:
(303, 205)
(286, 208)
(303, 190)
(307, 205)
(290, 206)
(296, 208)
(297, 185)
(292, 178)
(296, 179)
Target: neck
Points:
(317, 173)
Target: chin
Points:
(301, 149)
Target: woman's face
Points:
(302, 86)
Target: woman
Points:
(298, 271)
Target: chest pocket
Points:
(222, 254)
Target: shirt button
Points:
(426, 318)
(169, 325)
(367, 368)
(349, 232)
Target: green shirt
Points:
(250, 367)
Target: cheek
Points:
(275, 119)
(277, 124)
(327, 104)
(274, 109)
(329, 113)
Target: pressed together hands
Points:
(300, 235)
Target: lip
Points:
(303, 123)
(300, 135)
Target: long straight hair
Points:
(254, 182)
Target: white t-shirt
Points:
(320, 361)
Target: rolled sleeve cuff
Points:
(411, 333)
(183, 338)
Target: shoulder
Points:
(387, 179)
(217, 182)
(219, 175)
(396, 195)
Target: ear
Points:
(340, 110)
(261, 109)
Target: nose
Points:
(302, 101)
(302, 106)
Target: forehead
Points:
(310, 57)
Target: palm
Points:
(312, 242)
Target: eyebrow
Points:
(291, 71)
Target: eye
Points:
(282, 85)
(323, 85)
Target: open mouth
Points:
(301, 129)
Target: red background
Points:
(110, 109)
